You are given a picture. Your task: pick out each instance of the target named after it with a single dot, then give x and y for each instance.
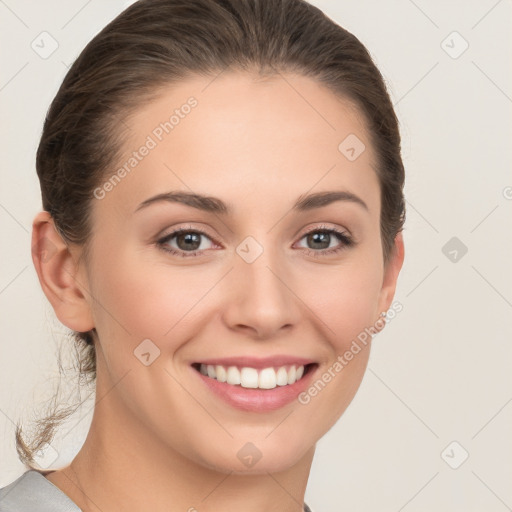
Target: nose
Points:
(260, 298)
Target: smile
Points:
(247, 377)
(257, 385)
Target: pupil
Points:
(315, 237)
(189, 238)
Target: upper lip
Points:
(257, 362)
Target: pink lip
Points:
(257, 400)
(258, 362)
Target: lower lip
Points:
(257, 400)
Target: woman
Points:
(223, 207)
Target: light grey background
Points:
(440, 371)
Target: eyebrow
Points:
(215, 205)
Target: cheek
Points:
(137, 300)
(133, 292)
(345, 299)
(347, 314)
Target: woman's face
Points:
(258, 280)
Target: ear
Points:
(391, 271)
(59, 275)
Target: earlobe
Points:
(58, 271)
(391, 272)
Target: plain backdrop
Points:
(430, 426)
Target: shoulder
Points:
(32, 492)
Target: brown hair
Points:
(154, 43)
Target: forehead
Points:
(245, 139)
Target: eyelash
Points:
(345, 239)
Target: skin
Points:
(159, 440)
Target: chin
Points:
(257, 458)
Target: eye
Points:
(185, 242)
(321, 239)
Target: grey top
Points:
(32, 492)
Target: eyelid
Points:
(344, 236)
(326, 227)
(345, 239)
(170, 233)
(173, 231)
(177, 229)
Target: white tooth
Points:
(249, 378)
(233, 376)
(282, 377)
(267, 378)
(211, 371)
(221, 373)
(292, 374)
(203, 369)
(300, 372)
